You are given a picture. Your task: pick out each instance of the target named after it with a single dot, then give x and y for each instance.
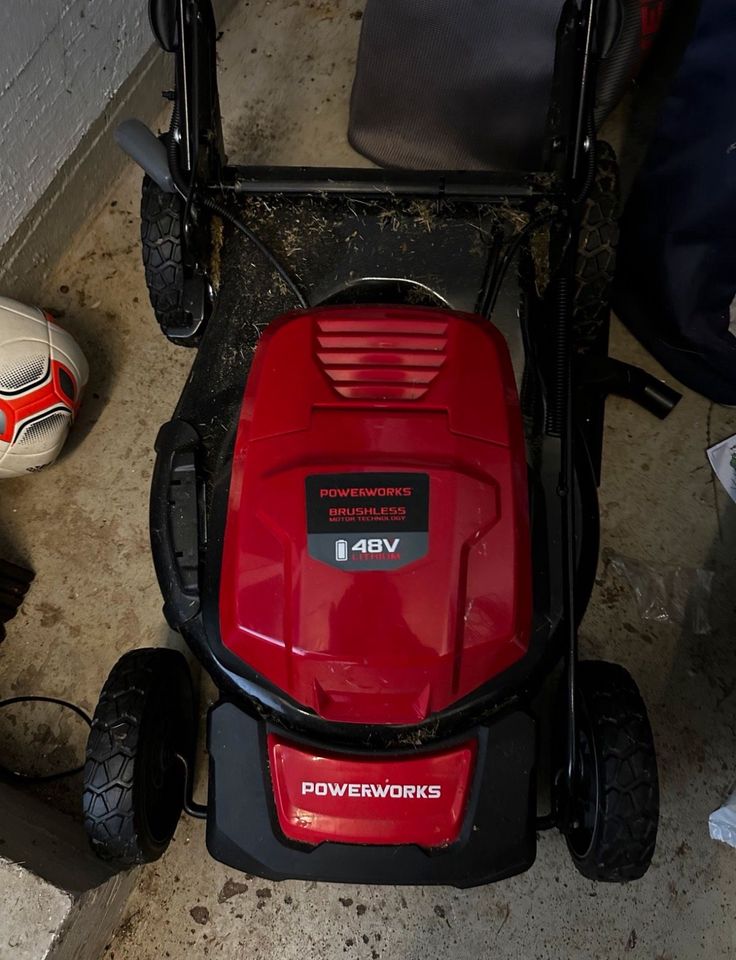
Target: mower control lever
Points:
(142, 145)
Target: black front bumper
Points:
(498, 838)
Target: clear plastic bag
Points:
(722, 823)
(678, 595)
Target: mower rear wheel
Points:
(133, 782)
(613, 816)
(163, 260)
(596, 260)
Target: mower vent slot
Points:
(398, 360)
(386, 341)
(432, 328)
(183, 520)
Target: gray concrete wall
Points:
(62, 62)
(77, 78)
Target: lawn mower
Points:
(374, 512)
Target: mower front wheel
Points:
(612, 818)
(134, 783)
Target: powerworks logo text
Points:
(367, 521)
(381, 791)
(357, 492)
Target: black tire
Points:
(612, 827)
(161, 217)
(596, 261)
(133, 783)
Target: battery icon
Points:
(341, 550)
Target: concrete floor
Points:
(82, 525)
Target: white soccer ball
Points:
(43, 373)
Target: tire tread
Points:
(596, 261)
(626, 836)
(162, 253)
(108, 803)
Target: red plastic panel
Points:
(389, 360)
(425, 596)
(326, 797)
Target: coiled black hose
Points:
(172, 150)
(591, 164)
(559, 377)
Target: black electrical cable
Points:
(495, 274)
(222, 211)
(15, 776)
(189, 195)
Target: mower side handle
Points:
(174, 520)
